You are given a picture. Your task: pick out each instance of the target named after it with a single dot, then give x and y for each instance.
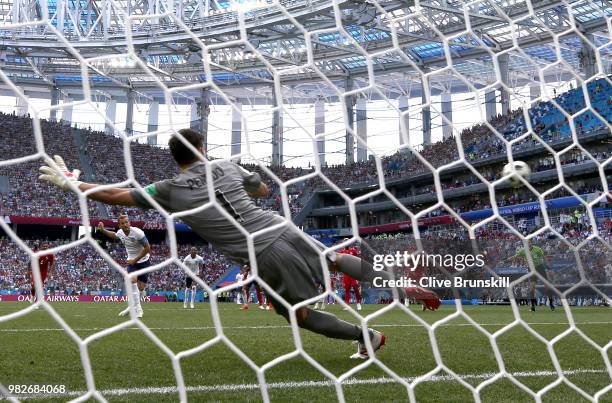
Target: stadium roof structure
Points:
(310, 47)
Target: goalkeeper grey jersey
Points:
(188, 190)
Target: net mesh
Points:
(451, 40)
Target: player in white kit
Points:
(194, 262)
(242, 293)
(138, 253)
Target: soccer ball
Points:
(516, 169)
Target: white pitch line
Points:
(286, 327)
(306, 384)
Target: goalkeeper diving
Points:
(286, 260)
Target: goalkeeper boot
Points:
(376, 338)
(139, 312)
(125, 312)
(359, 307)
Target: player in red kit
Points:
(262, 299)
(350, 283)
(429, 299)
(45, 263)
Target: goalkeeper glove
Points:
(60, 176)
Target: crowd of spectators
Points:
(23, 194)
(107, 156)
(484, 140)
(479, 142)
(82, 270)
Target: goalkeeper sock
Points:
(328, 325)
(362, 270)
(193, 292)
(534, 302)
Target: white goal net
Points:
(530, 81)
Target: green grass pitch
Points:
(129, 367)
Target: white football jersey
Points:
(134, 243)
(193, 263)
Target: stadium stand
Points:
(39, 200)
(151, 163)
(407, 177)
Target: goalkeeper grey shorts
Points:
(291, 266)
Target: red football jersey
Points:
(351, 250)
(45, 261)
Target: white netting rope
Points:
(282, 7)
